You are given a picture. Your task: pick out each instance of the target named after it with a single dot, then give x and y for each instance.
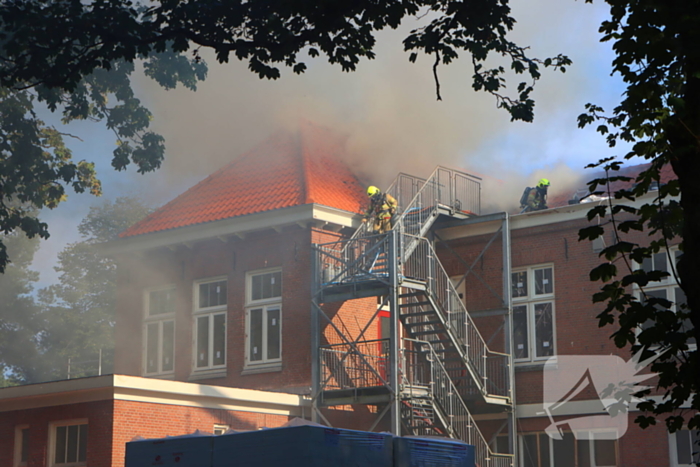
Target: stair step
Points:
(420, 313)
(425, 333)
(413, 304)
(422, 323)
(411, 294)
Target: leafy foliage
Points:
(36, 165)
(20, 317)
(75, 56)
(79, 311)
(657, 56)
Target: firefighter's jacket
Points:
(382, 205)
(537, 199)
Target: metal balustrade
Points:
(452, 410)
(352, 366)
(403, 189)
(433, 307)
(488, 368)
(423, 377)
(353, 260)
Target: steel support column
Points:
(315, 338)
(508, 334)
(395, 341)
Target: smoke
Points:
(389, 112)
(503, 194)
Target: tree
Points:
(36, 165)
(19, 314)
(79, 311)
(657, 56)
(51, 46)
(71, 56)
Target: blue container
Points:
(429, 452)
(177, 451)
(303, 446)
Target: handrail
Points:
(361, 365)
(454, 413)
(403, 189)
(448, 188)
(423, 265)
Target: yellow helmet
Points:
(373, 190)
(543, 182)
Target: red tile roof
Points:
(288, 169)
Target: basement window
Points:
(220, 429)
(159, 331)
(264, 318)
(68, 443)
(210, 310)
(540, 450)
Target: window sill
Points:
(534, 366)
(263, 368)
(207, 374)
(170, 376)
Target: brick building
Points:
(251, 299)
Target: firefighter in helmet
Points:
(382, 206)
(535, 199)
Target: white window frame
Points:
(160, 321)
(577, 437)
(673, 449)
(668, 284)
(17, 462)
(266, 304)
(210, 312)
(220, 429)
(51, 452)
(530, 300)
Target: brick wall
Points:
(159, 420)
(289, 250)
(576, 326)
(98, 415)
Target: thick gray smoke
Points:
(389, 113)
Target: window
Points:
(210, 299)
(220, 429)
(532, 291)
(68, 443)
(667, 288)
(263, 317)
(159, 331)
(21, 446)
(540, 450)
(684, 448)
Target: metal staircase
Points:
(443, 361)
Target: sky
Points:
(388, 110)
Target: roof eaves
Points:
(233, 226)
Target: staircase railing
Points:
(455, 191)
(355, 260)
(488, 368)
(360, 365)
(451, 409)
(403, 189)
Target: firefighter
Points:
(535, 199)
(382, 206)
